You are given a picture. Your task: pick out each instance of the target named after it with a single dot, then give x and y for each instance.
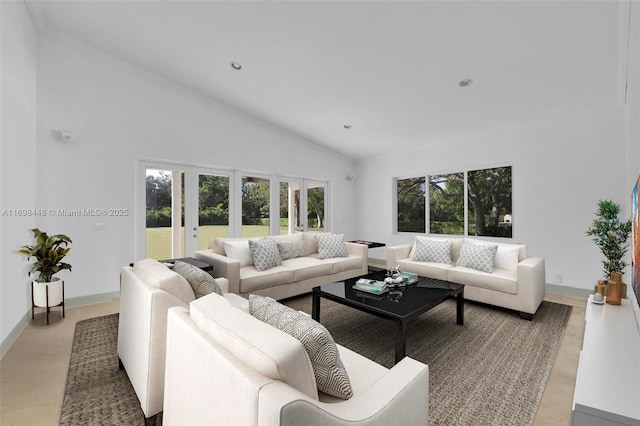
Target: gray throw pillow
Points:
(265, 253)
(431, 250)
(331, 376)
(201, 282)
(478, 256)
(331, 245)
(290, 250)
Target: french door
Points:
(184, 207)
(181, 207)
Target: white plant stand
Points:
(47, 295)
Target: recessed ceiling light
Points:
(466, 82)
(236, 66)
(347, 126)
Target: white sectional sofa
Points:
(292, 277)
(147, 291)
(226, 367)
(516, 282)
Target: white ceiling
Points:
(390, 69)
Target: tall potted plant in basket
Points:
(611, 235)
(47, 252)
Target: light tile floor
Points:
(33, 372)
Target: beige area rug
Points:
(490, 371)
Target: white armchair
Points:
(145, 297)
(229, 368)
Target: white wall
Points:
(121, 113)
(561, 167)
(18, 148)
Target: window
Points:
(489, 192)
(486, 210)
(411, 204)
(255, 206)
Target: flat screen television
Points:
(635, 242)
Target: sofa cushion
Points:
(238, 250)
(201, 282)
(432, 250)
(251, 279)
(291, 249)
(331, 376)
(262, 347)
(160, 276)
(331, 245)
(478, 256)
(342, 264)
(308, 267)
(265, 253)
(499, 280)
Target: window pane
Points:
(411, 204)
(489, 193)
(315, 206)
(255, 206)
(446, 204)
(289, 207)
(164, 226)
(213, 208)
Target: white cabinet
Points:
(608, 380)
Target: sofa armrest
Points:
(531, 282)
(401, 397)
(223, 266)
(142, 329)
(395, 253)
(362, 251)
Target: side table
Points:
(190, 260)
(369, 244)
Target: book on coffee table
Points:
(370, 286)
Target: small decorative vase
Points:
(601, 287)
(614, 289)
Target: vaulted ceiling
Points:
(388, 69)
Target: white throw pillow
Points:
(478, 256)
(265, 253)
(331, 376)
(238, 250)
(432, 250)
(331, 245)
(507, 257)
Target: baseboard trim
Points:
(68, 303)
(567, 290)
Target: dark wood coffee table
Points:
(400, 306)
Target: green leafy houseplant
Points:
(48, 251)
(611, 235)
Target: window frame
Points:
(465, 171)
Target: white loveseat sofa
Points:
(292, 277)
(516, 282)
(147, 291)
(226, 367)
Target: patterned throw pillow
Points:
(478, 256)
(331, 376)
(290, 250)
(201, 282)
(331, 245)
(431, 250)
(265, 253)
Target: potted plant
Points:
(611, 235)
(48, 251)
